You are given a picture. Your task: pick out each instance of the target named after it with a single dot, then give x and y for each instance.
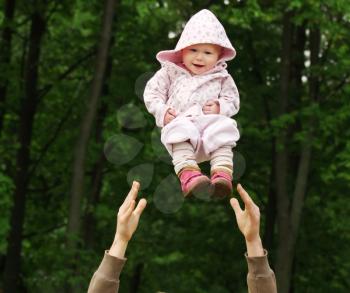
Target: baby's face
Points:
(200, 58)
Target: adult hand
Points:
(211, 107)
(127, 221)
(248, 221)
(170, 115)
(128, 215)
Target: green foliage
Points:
(199, 246)
(6, 189)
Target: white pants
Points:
(206, 134)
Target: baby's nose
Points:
(199, 56)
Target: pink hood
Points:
(203, 27)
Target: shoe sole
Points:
(201, 189)
(221, 189)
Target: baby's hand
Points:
(211, 107)
(169, 116)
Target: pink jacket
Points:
(174, 87)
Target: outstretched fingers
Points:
(127, 213)
(133, 191)
(248, 202)
(131, 196)
(236, 207)
(252, 209)
(140, 207)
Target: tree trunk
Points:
(85, 129)
(136, 278)
(290, 207)
(97, 170)
(96, 179)
(281, 150)
(27, 113)
(281, 162)
(270, 211)
(5, 55)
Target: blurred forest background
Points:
(74, 132)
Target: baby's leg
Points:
(221, 162)
(193, 182)
(222, 159)
(219, 136)
(184, 157)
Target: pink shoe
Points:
(193, 182)
(222, 182)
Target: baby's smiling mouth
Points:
(198, 65)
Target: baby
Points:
(192, 98)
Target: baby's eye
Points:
(193, 50)
(208, 53)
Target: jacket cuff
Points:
(258, 265)
(223, 107)
(160, 115)
(111, 266)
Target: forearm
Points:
(106, 278)
(118, 248)
(229, 98)
(260, 279)
(254, 247)
(155, 96)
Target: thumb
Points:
(235, 205)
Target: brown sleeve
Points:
(260, 279)
(106, 278)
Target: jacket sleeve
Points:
(156, 95)
(229, 97)
(106, 278)
(260, 279)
